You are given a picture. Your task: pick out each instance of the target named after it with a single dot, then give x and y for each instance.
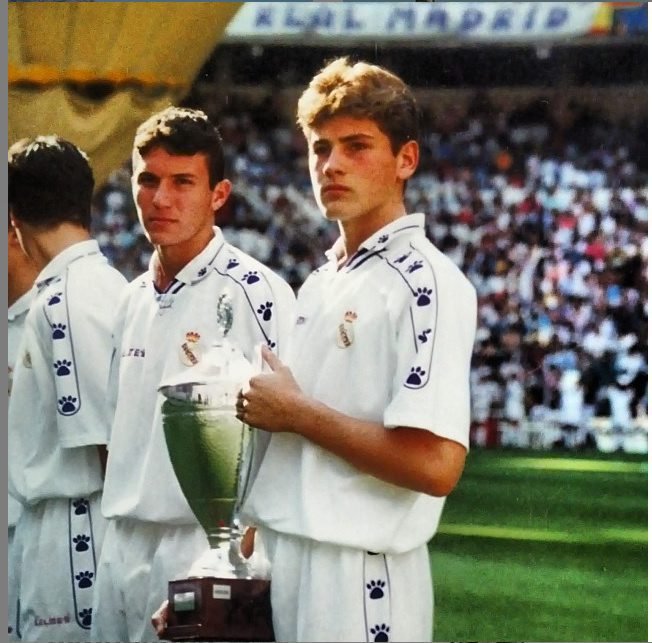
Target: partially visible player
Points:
(21, 273)
(58, 420)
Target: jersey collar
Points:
(199, 267)
(379, 240)
(59, 263)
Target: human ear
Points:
(220, 194)
(407, 160)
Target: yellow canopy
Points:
(143, 55)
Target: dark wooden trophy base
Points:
(219, 609)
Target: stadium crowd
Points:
(543, 207)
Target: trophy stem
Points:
(223, 559)
(221, 537)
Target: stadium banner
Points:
(488, 21)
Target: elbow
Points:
(440, 488)
(441, 483)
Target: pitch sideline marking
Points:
(572, 464)
(597, 536)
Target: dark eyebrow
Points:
(150, 175)
(146, 175)
(353, 137)
(344, 139)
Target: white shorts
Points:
(323, 592)
(138, 559)
(60, 541)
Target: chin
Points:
(332, 214)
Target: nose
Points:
(332, 163)
(161, 196)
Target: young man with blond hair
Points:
(369, 415)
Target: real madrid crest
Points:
(345, 330)
(192, 349)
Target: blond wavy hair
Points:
(360, 90)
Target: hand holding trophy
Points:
(210, 452)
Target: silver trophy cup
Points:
(210, 451)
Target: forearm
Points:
(407, 457)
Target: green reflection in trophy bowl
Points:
(205, 446)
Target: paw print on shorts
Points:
(81, 506)
(67, 404)
(84, 579)
(380, 632)
(55, 299)
(402, 258)
(62, 367)
(202, 272)
(375, 588)
(414, 378)
(382, 238)
(58, 331)
(232, 264)
(270, 343)
(86, 616)
(423, 335)
(266, 310)
(81, 542)
(251, 277)
(423, 296)
(414, 266)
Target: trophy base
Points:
(219, 609)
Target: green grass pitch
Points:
(545, 546)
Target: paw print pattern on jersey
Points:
(58, 331)
(84, 579)
(86, 616)
(202, 272)
(81, 542)
(67, 404)
(254, 290)
(380, 632)
(266, 310)
(417, 273)
(382, 238)
(251, 277)
(81, 506)
(375, 588)
(415, 376)
(62, 367)
(83, 570)
(423, 296)
(66, 380)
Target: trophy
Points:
(210, 451)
